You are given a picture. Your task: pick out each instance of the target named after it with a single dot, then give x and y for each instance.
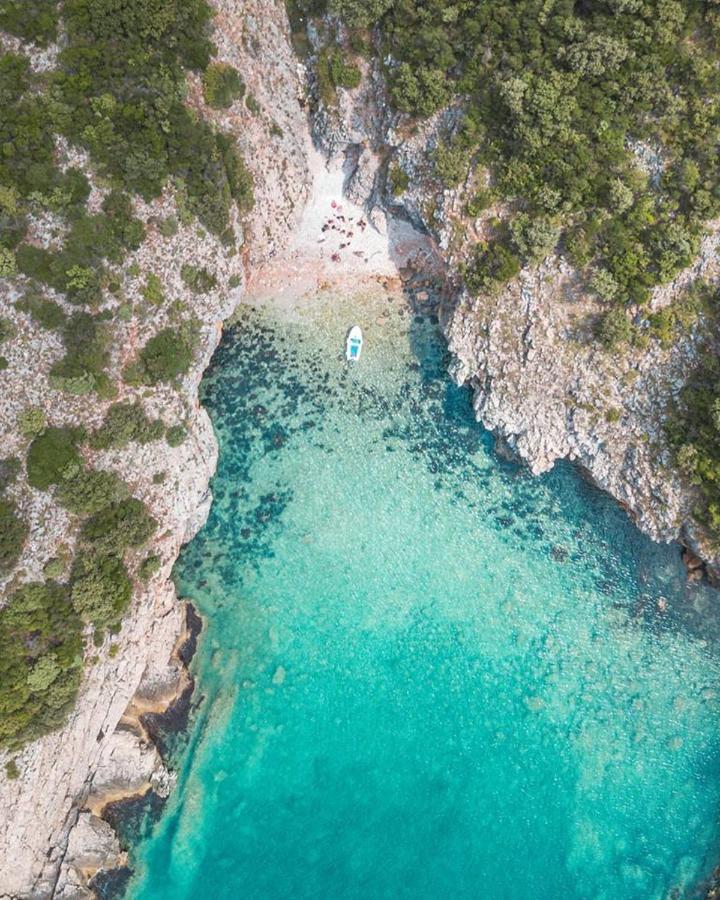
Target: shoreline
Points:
(379, 250)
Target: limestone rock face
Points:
(541, 383)
(48, 841)
(92, 845)
(550, 392)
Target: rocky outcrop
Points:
(538, 384)
(51, 841)
(541, 384)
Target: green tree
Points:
(88, 492)
(222, 85)
(13, 534)
(614, 327)
(100, 588)
(52, 457)
(165, 356)
(125, 523)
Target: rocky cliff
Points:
(50, 841)
(541, 383)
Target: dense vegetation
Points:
(589, 126)
(31, 20)
(40, 662)
(550, 95)
(119, 92)
(13, 532)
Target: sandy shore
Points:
(336, 245)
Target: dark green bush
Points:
(199, 280)
(491, 266)
(152, 290)
(53, 456)
(81, 370)
(165, 356)
(150, 566)
(13, 534)
(47, 313)
(123, 524)
(40, 661)
(239, 177)
(10, 468)
(7, 329)
(100, 588)
(90, 491)
(222, 85)
(399, 180)
(176, 435)
(126, 422)
(334, 72)
(614, 328)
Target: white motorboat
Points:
(354, 344)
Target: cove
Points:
(424, 673)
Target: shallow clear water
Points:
(425, 673)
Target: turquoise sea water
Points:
(425, 673)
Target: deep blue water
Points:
(425, 673)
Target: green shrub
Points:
(491, 266)
(152, 290)
(45, 312)
(10, 468)
(176, 435)
(334, 72)
(53, 457)
(4, 363)
(451, 162)
(479, 202)
(7, 330)
(123, 423)
(40, 661)
(222, 85)
(100, 588)
(533, 238)
(90, 491)
(31, 421)
(118, 526)
(399, 180)
(13, 534)
(360, 13)
(150, 566)
(11, 770)
(614, 328)
(240, 180)
(8, 263)
(54, 568)
(164, 357)
(199, 280)
(86, 354)
(168, 227)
